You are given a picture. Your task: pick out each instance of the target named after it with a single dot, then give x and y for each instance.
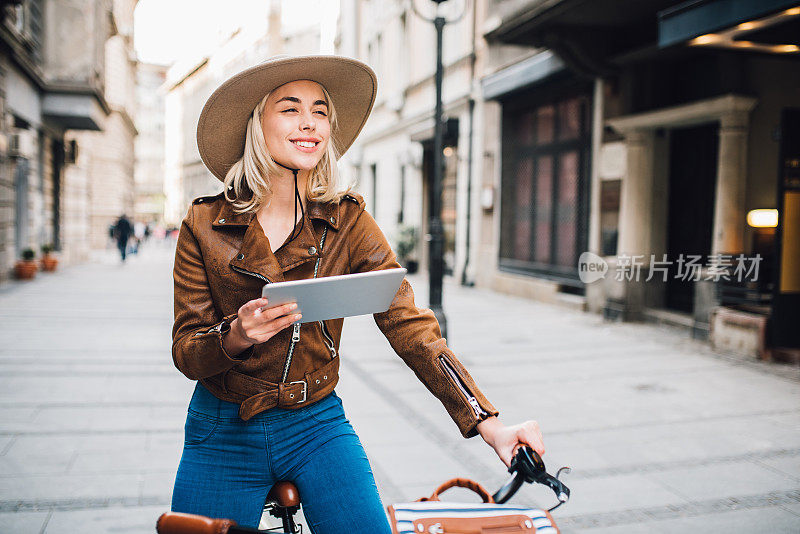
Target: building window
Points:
(375, 54)
(545, 184)
(27, 21)
(609, 216)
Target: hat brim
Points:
(221, 128)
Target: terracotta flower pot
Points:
(49, 262)
(25, 270)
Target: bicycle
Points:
(283, 501)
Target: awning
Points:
(525, 73)
(587, 35)
(74, 111)
(762, 25)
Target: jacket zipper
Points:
(295, 339)
(325, 333)
(218, 327)
(296, 329)
(473, 402)
(264, 278)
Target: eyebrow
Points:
(297, 100)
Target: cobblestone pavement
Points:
(663, 435)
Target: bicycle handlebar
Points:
(527, 466)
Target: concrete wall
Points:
(111, 182)
(74, 41)
(75, 222)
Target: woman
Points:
(264, 408)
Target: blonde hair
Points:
(247, 183)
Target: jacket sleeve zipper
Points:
(454, 376)
(215, 328)
(328, 339)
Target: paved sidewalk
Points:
(662, 434)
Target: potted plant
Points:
(49, 261)
(25, 269)
(406, 243)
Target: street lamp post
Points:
(436, 230)
(436, 264)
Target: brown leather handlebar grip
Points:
(461, 483)
(179, 523)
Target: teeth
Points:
(306, 144)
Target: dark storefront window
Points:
(545, 184)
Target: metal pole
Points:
(436, 266)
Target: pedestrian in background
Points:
(138, 235)
(122, 233)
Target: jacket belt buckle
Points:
(305, 390)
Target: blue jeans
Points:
(229, 465)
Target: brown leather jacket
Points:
(223, 259)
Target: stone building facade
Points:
(52, 59)
(607, 127)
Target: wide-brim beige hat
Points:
(222, 125)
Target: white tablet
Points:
(333, 297)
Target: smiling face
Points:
(296, 125)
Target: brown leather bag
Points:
(429, 515)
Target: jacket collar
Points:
(324, 211)
(255, 254)
(328, 212)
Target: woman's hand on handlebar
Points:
(256, 323)
(506, 439)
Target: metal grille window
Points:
(545, 185)
(27, 20)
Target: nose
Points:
(307, 122)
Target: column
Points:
(595, 293)
(636, 206)
(636, 195)
(729, 205)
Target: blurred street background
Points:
(663, 434)
(620, 214)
